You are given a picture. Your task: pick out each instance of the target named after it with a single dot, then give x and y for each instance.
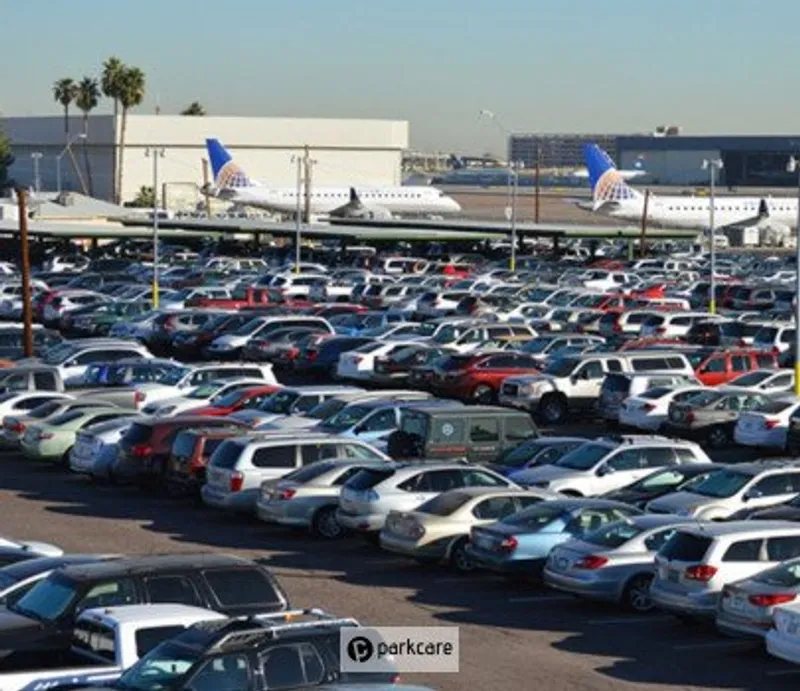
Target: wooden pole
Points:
(27, 315)
(205, 188)
(643, 238)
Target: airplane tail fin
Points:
(227, 173)
(607, 183)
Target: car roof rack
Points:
(264, 628)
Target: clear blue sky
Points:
(560, 65)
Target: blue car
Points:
(520, 544)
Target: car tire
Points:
(636, 596)
(553, 409)
(483, 394)
(459, 560)
(63, 462)
(324, 524)
(718, 437)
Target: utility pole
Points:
(27, 315)
(298, 217)
(206, 183)
(307, 162)
(156, 153)
(513, 219)
(538, 171)
(643, 239)
(37, 181)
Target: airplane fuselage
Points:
(694, 212)
(396, 200)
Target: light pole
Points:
(70, 142)
(792, 167)
(298, 219)
(156, 153)
(712, 165)
(513, 185)
(37, 181)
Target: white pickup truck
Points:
(105, 642)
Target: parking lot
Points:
(512, 635)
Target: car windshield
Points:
(229, 399)
(518, 456)
(661, 479)
(724, 483)
(325, 409)
(248, 327)
(535, 518)
(445, 504)
(59, 355)
(613, 535)
(204, 391)
(751, 379)
(536, 345)
(703, 399)
(346, 418)
(47, 600)
(280, 403)
(174, 375)
(448, 334)
(560, 367)
(584, 457)
(161, 669)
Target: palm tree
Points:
(64, 92)
(194, 108)
(131, 94)
(88, 94)
(110, 80)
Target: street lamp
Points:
(513, 186)
(712, 165)
(70, 142)
(794, 166)
(156, 153)
(37, 181)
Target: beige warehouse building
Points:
(346, 152)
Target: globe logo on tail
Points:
(231, 176)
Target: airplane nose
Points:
(455, 207)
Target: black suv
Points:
(41, 621)
(292, 650)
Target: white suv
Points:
(367, 498)
(742, 486)
(696, 563)
(609, 464)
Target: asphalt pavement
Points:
(513, 636)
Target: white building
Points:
(346, 152)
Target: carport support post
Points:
(27, 333)
(630, 249)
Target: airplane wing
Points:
(355, 208)
(760, 217)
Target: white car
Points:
(609, 464)
(783, 639)
(197, 397)
(91, 442)
(42, 549)
(177, 300)
(756, 485)
(764, 380)
(20, 402)
(650, 409)
(360, 363)
(67, 300)
(766, 427)
(72, 359)
(672, 324)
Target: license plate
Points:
(791, 628)
(673, 576)
(561, 564)
(737, 603)
(482, 541)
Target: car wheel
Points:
(718, 437)
(459, 559)
(637, 594)
(325, 524)
(553, 409)
(483, 393)
(64, 460)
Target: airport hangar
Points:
(345, 151)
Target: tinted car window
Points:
(685, 547)
(783, 548)
(227, 454)
(172, 589)
(275, 457)
(744, 550)
(239, 587)
(519, 428)
(484, 430)
(147, 639)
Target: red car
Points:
(479, 377)
(251, 297)
(236, 400)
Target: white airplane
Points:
(232, 183)
(613, 197)
(583, 174)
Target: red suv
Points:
(479, 377)
(720, 366)
(236, 400)
(189, 456)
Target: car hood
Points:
(17, 630)
(542, 473)
(679, 500)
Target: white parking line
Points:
(629, 620)
(542, 598)
(713, 644)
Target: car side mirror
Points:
(358, 429)
(751, 494)
(604, 470)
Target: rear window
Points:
(613, 535)
(444, 504)
(184, 444)
(147, 639)
(227, 454)
(536, 517)
(685, 547)
(308, 473)
(137, 433)
(655, 392)
(616, 383)
(239, 587)
(774, 407)
(94, 638)
(368, 478)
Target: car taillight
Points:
(701, 572)
(45, 435)
(237, 480)
(139, 397)
(593, 561)
(141, 450)
(508, 545)
(661, 330)
(772, 599)
(771, 424)
(18, 427)
(617, 328)
(689, 417)
(292, 353)
(311, 354)
(287, 494)
(647, 407)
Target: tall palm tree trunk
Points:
(115, 184)
(86, 163)
(122, 129)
